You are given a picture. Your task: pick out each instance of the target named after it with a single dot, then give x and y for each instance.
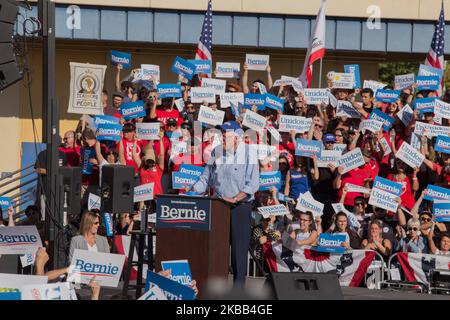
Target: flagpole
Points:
(320, 73)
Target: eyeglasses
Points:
(359, 204)
(413, 229)
(318, 126)
(329, 142)
(425, 219)
(96, 223)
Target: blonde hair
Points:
(87, 220)
(413, 223)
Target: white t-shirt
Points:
(439, 252)
(93, 248)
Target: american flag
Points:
(435, 57)
(204, 48)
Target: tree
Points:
(388, 71)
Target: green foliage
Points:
(388, 71)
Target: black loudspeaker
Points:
(72, 187)
(117, 191)
(304, 286)
(9, 72)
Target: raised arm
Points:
(415, 208)
(162, 155)
(119, 67)
(98, 152)
(269, 78)
(244, 79)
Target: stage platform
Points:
(255, 289)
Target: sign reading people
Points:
(86, 87)
(118, 57)
(180, 271)
(409, 155)
(227, 70)
(19, 240)
(351, 160)
(105, 267)
(257, 61)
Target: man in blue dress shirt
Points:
(232, 173)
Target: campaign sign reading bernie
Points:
(387, 120)
(98, 120)
(148, 131)
(424, 105)
(111, 132)
(442, 109)
(275, 210)
(267, 180)
(171, 289)
(182, 213)
(442, 144)
(308, 148)
(274, 102)
(387, 185)
(316, 96)
(202, 66)
(428, 83)
(295, 123)
(132, 110)
(306, 202)
(184, 68)
(144, 192)
(258, 100)
(383, 199)
(168, 90)
(330, 242)
(254, 121)
(387, 95)
(351, 160)
(123, 58)
(105, 267)
(19, 240)
(180, 271)
(5, 203)
(227, 70)
(410, 155)
(441, 211)
(437, 193)
(257, 61)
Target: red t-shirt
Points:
(128, 152)
(72, 155)
(164, 115)
(153, 175)
(407, 194)
(357, 177)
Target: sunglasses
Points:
(413, 229)
(425, 219)
(96, 223)
(338, 135)
(359, 204)
(330, 142)
(318, 126)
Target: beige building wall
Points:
(390, 9)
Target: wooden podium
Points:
(178, 235)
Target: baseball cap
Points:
(172, 122)
(232, 126)
(149, 155)
(118, 94)
(329, 137)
